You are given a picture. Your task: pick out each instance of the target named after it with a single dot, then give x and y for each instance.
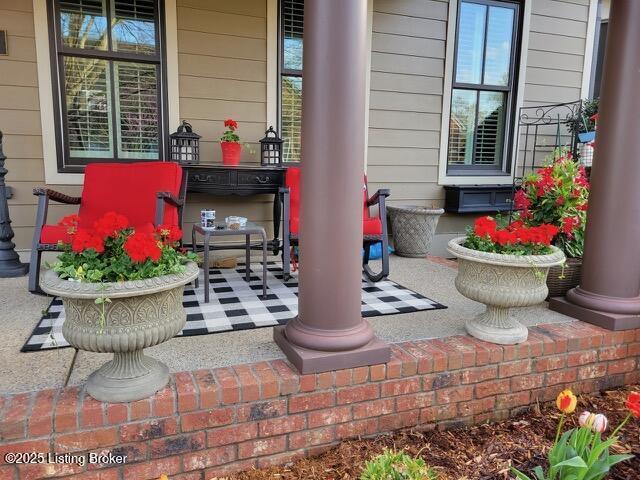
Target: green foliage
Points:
(392, 465)
(583, 123)
(115, 265)
(579, 454)
(230, 136)
(557, 194)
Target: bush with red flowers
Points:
(112, 251)
(230, 134)
(487, 235)
(557, 194)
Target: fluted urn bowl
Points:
(137, 315)
(501, 282)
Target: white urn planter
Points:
(501, 282)
(140, 314)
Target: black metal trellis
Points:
(540, 130)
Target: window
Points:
(291, 27)
(483, 88)
(107, 75)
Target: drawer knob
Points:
(263, 179)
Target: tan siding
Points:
(556, 51)
(407, 71)
(222, 68)
(20, 115)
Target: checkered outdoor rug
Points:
(237, 305)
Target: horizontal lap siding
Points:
(405, 106)
(20, 116)
(557, 42)
(222, 69)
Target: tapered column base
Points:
(315, 361)
(610, 321)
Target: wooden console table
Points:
(241, 180)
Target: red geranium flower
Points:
(169, 233)
(84, 240)
(141, 246)
(110, 224)
(231, 124)
(484, 226)
(71, 223)
(633, 404)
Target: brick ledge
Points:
(211, 422)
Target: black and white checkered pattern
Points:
(238, 305)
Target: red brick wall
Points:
(212, 422)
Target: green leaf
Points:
(572, 462)
(519, 475)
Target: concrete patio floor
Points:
(20, 312)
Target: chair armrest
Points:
(56, 196)
(162, 198)
(375, 198)
(168, 197)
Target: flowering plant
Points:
(557, 194)
(514, 239)
(230, 134)
(581, 453)
(113, 251)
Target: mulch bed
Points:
(478, 452)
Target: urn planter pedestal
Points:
(139, 314)
(501, 282)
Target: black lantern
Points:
(185, 145)
(270, 148)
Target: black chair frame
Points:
(290, 240)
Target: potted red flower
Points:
(558, 194)
(230, 143)
(122, 292)
(503, 266)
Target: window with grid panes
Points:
(483, 88)
(291, 25)
(107, 65)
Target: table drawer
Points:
(210, 177)
(260, 179)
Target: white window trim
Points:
(589, 49)
(45, 88)
(443, 178)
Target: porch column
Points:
(329, 332)
(609, 293)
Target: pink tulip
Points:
(596, 422)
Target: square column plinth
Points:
(608, 320)
(314, 361)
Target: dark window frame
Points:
(511, 90)
(283, 72)
(57, 52)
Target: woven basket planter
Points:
(559, 282)
(413, 229)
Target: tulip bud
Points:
(594, 422)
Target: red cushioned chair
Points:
(147, 193)
(374, 227)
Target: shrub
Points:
(392, 465)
